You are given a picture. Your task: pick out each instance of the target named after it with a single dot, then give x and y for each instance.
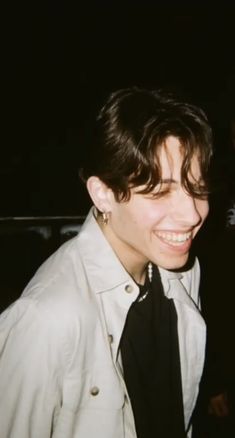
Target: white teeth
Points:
(174, 237)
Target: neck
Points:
(134, 264)
(139, 276)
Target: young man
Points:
(107, 340)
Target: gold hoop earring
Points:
(105, 218)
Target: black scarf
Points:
(151, 363)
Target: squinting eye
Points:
(199, 191)
(162, 192)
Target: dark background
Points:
(58, 65)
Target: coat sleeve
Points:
(30, 372)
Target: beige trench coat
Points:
(60, 370)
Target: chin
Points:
(174, 264)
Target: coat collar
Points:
(106, 272)
(102, 264)
(176, 287)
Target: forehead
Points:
(171, 157)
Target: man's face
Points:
(158, 229)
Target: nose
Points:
(187, 210)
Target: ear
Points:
(99, 193)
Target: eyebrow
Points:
(168, 181)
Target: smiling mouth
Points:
(175, 239)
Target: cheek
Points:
(125, 219)
(148, 215)
(203, 209)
